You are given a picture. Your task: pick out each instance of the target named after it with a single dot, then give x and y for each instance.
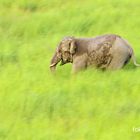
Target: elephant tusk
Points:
(52, 65)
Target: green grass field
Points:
(92, 105)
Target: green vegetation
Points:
(93, 105)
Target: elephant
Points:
(107, 52)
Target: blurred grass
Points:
(35, 105)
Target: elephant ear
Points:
(72, 46)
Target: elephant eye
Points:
(66, 52)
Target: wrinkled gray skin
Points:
(109, 52)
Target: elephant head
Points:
(64, 52)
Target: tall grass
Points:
(36, 105)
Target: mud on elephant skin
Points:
(110, 52)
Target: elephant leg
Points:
(118, 62)
(79, 64)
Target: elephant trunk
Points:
(55, 60)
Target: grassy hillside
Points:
(93, 105)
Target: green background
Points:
(92, 105)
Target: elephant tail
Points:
(134, 58)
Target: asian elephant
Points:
(110, 52)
